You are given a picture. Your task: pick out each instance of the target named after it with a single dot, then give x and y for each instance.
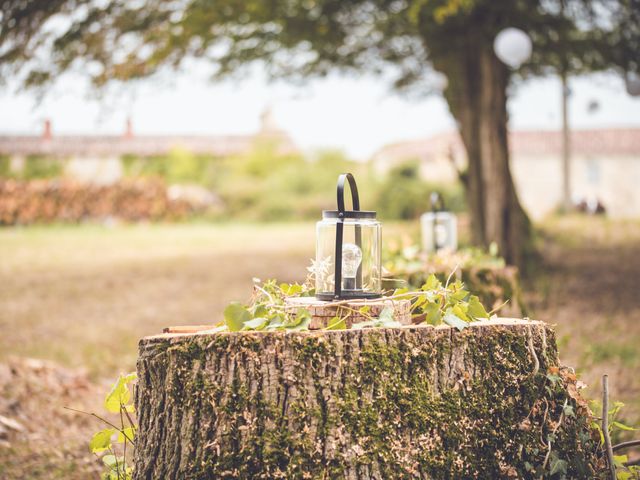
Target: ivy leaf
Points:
(558, 466)
(458, 295)
(434, 315)
(260, 310)
(476, 309)
(291, 290)
(460, 312)
(622, 426)
(302, 321)
(620, 460)
(127, 434)
(454, 321)
(278, 321)
(337, 323)
(120, 396)
(432, 283)
(255, 324)
(115, 464)
(568, 411)
(235, 316)
(101, 440)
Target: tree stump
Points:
(420, 402)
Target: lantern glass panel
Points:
(439, 231)
(361, 269)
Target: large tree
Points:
(120, 40)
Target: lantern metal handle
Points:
(355, 200)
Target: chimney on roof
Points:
(46, 134)
(268, 123)
(128, 133)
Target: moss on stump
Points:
(411, 402)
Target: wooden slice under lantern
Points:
(323, 313)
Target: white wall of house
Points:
(614, 181)
(97, 170)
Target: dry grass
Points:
(589, 287)
(83, 296)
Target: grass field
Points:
(82, 296)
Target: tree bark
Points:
(477, 98)
(414, 402)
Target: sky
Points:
(356, 115)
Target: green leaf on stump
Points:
(235, 316)
(454, 321)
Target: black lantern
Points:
(348, 250)
(439, 227)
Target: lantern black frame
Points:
(340, 214)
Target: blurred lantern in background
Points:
(352, 238)
(439, 227)
(632, 82)
(512, 46)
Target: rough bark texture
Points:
(477, 97)
(412, 402)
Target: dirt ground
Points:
(75, 300)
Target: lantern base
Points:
(323, 313)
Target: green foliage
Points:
(484, 273)
(264, 184)
(118, 439)
(297, 39)
(120, 396)
(404, 195)
(5, 166)
(179, 166)
(623, 471)
(35, 167)
(434, 303)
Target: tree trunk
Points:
(477, 97)
(413, 402)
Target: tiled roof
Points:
(143, 145)
(616, 142)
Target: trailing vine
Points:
(435, 303)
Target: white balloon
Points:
(512, 46)
(439, 81)
(632, 82)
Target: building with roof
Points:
(98, 158)
(605, 166)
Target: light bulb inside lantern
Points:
(351, 258)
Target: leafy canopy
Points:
(129, 39)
